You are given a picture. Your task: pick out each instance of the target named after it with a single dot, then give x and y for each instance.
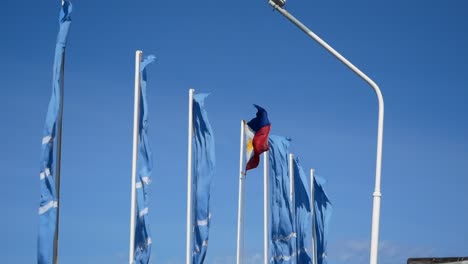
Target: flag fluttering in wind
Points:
(282, 235)
(256, 132)
(142, 245)
(303, 216)
(322, 212)
(203, 169)
(48, 210)
(254, 141)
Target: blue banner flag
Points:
(322, 212)
(303, 216)
(203, 169)
(48, 207)
(282, 235)
(144, 168)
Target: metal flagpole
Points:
(312, 208)
(189, 178)
(265, 207)
(292, 197)
(378, 168)
(240, 212)
(136, 119)
(291, 181)
(58, 159)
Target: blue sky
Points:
(243, 53)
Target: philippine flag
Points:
(256, 133)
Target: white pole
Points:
(240, 226)
(265, 207)
(58, 162)
(136, 117)
(292, 196)
(189, 178)
(378, 168)
(291, 181)
(312, 208)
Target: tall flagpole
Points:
(189, 178)
(312, 207)
(136, 119)
(291, 181)
(58, 159)
(265, 207)
(292, 197)
(242, 174)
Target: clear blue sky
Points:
(243, 53)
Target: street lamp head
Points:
(280, 3)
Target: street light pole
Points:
(277, 4)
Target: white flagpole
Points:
(312, 208)
(58, 162)
(240, 225)
(189, 178)
(292, 196)
(136, 118)
(291, 181)
(265, 207)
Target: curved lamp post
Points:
(278, 5)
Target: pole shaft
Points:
(136, 119)
(377, 193)
(312, 208)
(291, 181)
(58, 159)
(292, 196)
(189, 178)
(265, 207)
(240, 212)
